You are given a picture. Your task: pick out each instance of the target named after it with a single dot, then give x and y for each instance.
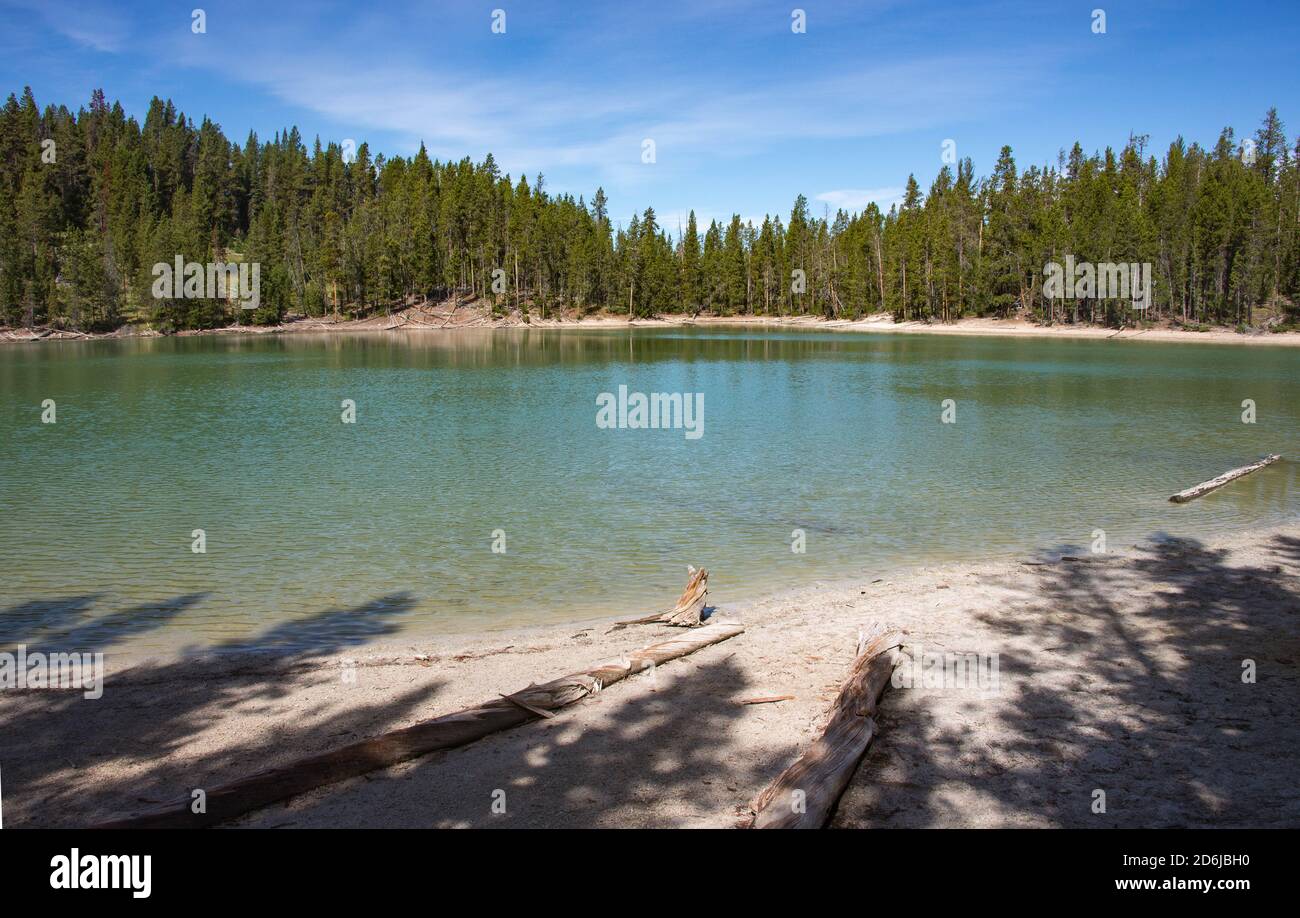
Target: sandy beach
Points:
(1120, 672)
(422, 319)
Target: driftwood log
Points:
(690, 605)
(803, 796)
(229, 801)
(1206, 487)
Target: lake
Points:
(319, 534)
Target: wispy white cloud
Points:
(855, 199)
(368, 74)
(532, 124)
(536, 107)
(744, 113)
(673, 220)
(90, 24)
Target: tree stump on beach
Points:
(690, 605)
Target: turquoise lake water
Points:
(320, 534)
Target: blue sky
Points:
(745, 114)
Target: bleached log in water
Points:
(1206, 487)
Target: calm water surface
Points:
(321, 534)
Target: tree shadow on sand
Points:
(631, 757)
(1121, 675)
(65, 754)
(67, 762)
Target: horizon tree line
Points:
(90, 201)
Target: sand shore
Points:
(417, 320)
(1119, 672)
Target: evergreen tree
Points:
(80, 232)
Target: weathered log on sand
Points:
(232, 800)
(823, 772)
(686, 613)
(1206, 487)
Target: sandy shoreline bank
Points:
(415, 320)
(1120, 672)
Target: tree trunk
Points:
(803, 796)
(232, 800)
(1213, 484)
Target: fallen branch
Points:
(686, 613)
(1206, 487)
(540, 712)
(803, 796)
(416, 322)
(766, 699)
(229, 801)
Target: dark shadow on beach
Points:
(52, 738)
(1121, 676)
(69, 761)
(639, 758)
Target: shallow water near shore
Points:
(321, 535)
